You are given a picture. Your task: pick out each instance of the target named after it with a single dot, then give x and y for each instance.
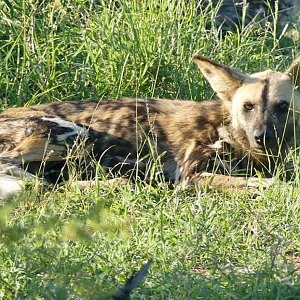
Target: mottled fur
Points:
(250, 128)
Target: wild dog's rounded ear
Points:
(224, 80)
(294, 72)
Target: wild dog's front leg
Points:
(206, 167)
(228, 183)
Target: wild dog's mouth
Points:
(276, 150)
(260, 147)
(264, 151)
(269, 142)
(264, 158)
(271, 147)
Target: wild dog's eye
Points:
(248, 106)
(283, 105)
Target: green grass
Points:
(64, 243)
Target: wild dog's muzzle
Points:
(263, 137)
(269, 138)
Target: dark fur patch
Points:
(265, 94)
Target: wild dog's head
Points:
(264, 107)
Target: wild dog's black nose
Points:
(261, 136)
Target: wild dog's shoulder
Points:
(65, 109)
(62, 109)
(68, 108)
(201, 116)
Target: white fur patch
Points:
(260, 182)
(217, 145)
(9, 187)
(4, 151)
(76, 130)
(12, 180)
(206, 174)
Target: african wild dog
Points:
(251, 128)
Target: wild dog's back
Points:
(185, 131)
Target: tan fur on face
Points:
(265, 91)
(280, 88)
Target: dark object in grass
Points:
(125, 291)
(230, 12)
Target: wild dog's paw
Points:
(10, 187)
(260, 182)
(12, 180)
(231, 183)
